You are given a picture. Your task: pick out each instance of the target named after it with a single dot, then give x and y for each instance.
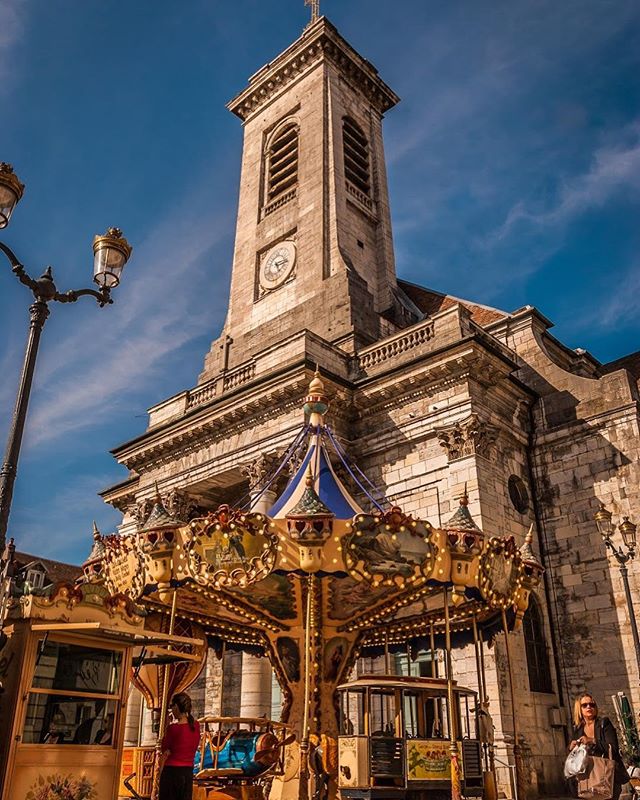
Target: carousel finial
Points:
(526, 551)
(464, 499)
(309, 479)
(93, 564)
(316, 402)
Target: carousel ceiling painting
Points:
(318, 580)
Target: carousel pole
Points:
(157, 763)
(387, 655)
(432, 642)
(492, 756)
(487, 748)
(303, 791)
(479, 670)
(456, 793)
(519, 784)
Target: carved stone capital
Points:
(470, 436)
(258, 469)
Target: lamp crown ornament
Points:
(9, 177)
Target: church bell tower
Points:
(313, 248)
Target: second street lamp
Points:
(111, 252)
(628, 531)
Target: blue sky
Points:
(514, 171)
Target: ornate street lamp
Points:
(603, 518)
(110, 254)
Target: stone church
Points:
(432, 396)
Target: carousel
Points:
(319, 581)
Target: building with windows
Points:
(433, 396)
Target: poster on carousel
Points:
(124, 572)
(429, 760)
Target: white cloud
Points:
(166, 299)
(620, 305)
(612, 168)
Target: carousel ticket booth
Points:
(68, 662)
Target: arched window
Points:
(282, 162)
(356, 156)
(536, 649)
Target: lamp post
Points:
(110, 254)
(628, 531)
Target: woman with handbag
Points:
(600, 736)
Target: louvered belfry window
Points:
(283, 162)
(356, 156)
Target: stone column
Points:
(132, 719)
(213, 685)
(147, 737)
(255, 691)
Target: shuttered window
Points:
(283, 162)
(356, 156)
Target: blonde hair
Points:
(578, 719)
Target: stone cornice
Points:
(232, 414)
(319, 41)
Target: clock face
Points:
(277, 265)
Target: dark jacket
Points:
(606, 736)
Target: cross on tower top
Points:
(315, 9)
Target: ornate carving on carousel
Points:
(231, 548)
(123, 570)
(465, 542)
(500, 572)
(390, 548)
(158, 540)
(310, 524)
(532, 571)
(67, 597)
(470, 436)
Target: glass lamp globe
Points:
(111, 252)
(11, 191)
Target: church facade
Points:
(432, 396)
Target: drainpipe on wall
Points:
(542, 547)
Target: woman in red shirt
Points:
(179, 745)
